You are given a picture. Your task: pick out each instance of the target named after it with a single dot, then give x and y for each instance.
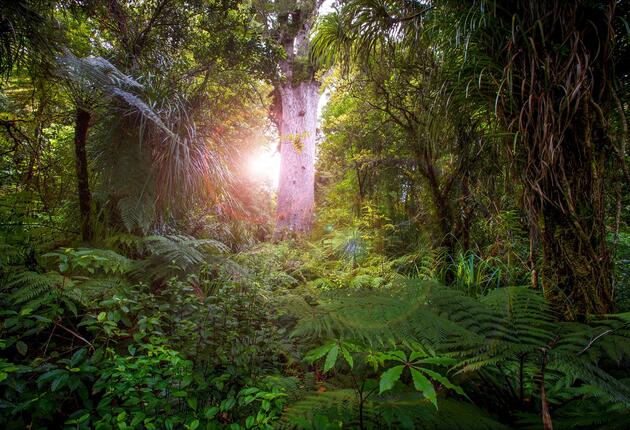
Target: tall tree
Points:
(295, 113)
(547, 70)
(552, 82)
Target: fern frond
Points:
(29, 285)
(400, 411)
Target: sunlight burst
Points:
(264, 166)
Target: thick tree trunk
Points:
(558, 102)
(577, 274)
(298, 128)
(81, 127)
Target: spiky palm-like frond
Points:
(362, 28)
(349, 245)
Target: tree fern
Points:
(510, 334)
(394, 411)
(98, 74)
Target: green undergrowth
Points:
(168, 332)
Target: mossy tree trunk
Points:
(556, 92)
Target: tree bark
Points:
(559, 103)
(295, 113)
(81, 127)
(298, 128)
(576, 263)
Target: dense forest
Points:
(309, 214)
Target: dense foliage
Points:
(469, 262)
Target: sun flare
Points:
(264, 166)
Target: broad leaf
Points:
(317, 353)
(331, 358)
(444, 381)
(347, 356)
(389, 378)
(422, 384)
(441, 361)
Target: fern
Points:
(401, 411)
(137, 212)
(505, 332)
(30, 285)
(422, 264)
(175, 255)
(32, 290)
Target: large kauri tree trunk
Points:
(298, 128)
(295, 114)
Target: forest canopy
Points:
(309, 214)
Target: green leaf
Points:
(21, 347)
(422, 384)
(249, 422)
(416, 354)
(78, 356)
(138, 417)
(444, 381)
(192, 402)
(347, 357)
(210, 413)
(193, 425)
(389, 378)
(317, 353)
(441, 361)
(101, 316)
(49, 375)
(396, 355)
(58, 382)
(331, 358)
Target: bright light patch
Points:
(264, 166)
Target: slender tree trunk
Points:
(81, 127)
(298, 128)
